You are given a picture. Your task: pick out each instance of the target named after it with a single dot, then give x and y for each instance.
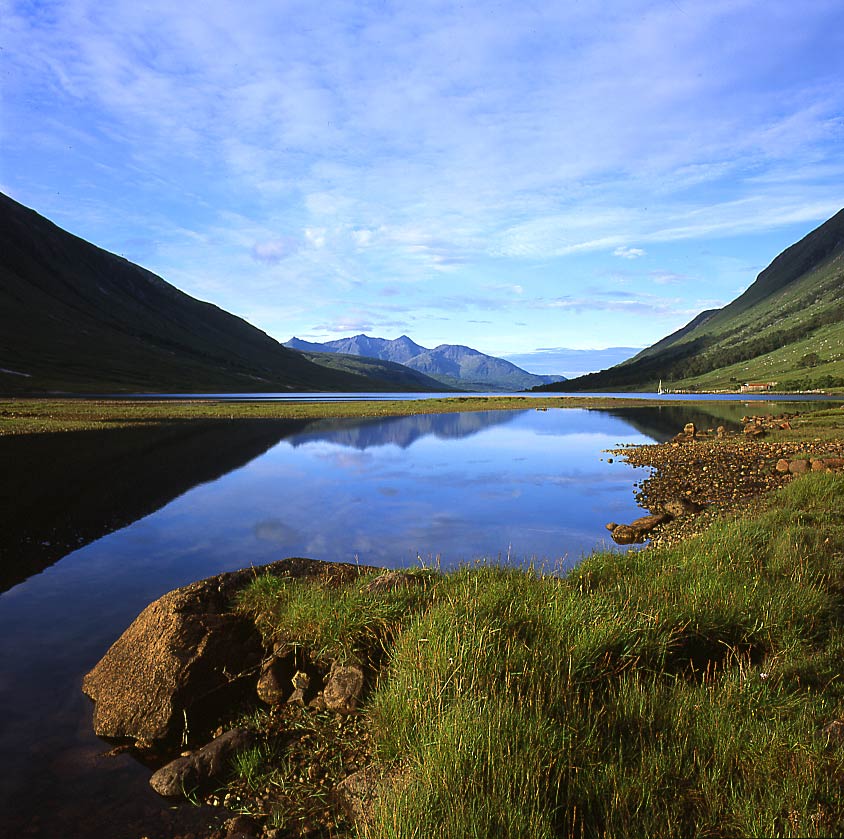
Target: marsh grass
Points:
(680, 691)
(336, 623)
(38, 416)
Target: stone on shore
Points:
(187, 655)
(182, 652)
(200, 769)
(343, 688)
(638, 530)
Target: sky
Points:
(520, 177)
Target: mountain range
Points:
(453, 365)
(76, 318)
(785, 332)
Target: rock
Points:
(622, 534)
(638, 530)
(301, 688)
(782, 465)
(274, 683)
(179, 653)
(343, 689)
(818, 466)
(834, 732)
(799, 467)
(317, 703)
(721, 431)
(185, 655)
(179, 777)
(611, 526)
(356, 794)
(198, 770)
(677, 507)
(391, 580)
(690, 429)
(242, 826)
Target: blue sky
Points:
(514, 176)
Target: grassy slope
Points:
(792, 310)
(75, 317)
(788, 310)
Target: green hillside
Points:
(76, 318)
(787, 328)
(390, 372)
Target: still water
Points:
(98, 524)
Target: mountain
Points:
(76, 318)
(401, 350)
(786, 329)
(389, 373)
(452, 365)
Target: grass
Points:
(680, 691)
(344, 624)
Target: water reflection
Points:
(402, 431)
(66, 490)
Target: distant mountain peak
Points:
(455, 365)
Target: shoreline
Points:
(40, 415)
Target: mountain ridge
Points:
(454, 365)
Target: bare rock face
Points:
(181, 650)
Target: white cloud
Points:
(628, 253)
(273, 250)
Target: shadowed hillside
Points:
(74, 317)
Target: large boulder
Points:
(181, 651)
(185, 655)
